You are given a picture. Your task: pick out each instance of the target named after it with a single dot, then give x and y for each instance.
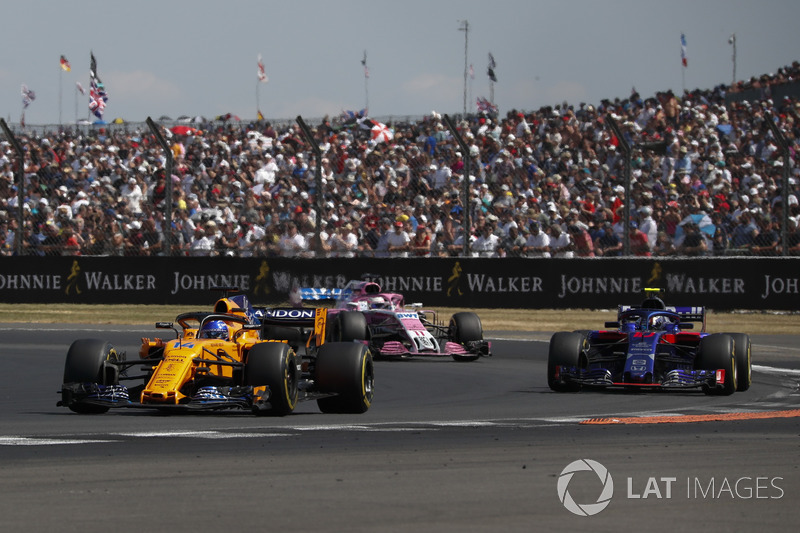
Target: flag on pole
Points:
(259, 115)
(492, 66)
(684, 61)
(485, 106)
(28, 96)
(80, 87)
(65, 66)
(364, 62)
(471, 72)
(262, 75)
(97, 91)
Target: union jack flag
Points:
(485, 106)
(97, 91)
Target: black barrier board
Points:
(722, 284)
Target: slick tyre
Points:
(742, 356)
(465, 327)
(90, 361)
(717, 352)
(566, 349)
(349, 326)
(345, 370)
(274, 365)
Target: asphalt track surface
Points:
(446, 446)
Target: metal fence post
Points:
(156, 129)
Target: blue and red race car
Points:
(647, 347)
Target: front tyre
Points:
(714, 353)
(566, 349)
(89, 361)
(345, 369)
(465, 327)
(274, 365)
(742, 356)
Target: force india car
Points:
(363, 312)
(649, 347)
(225, 359)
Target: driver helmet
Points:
(377, 302)
(660, 322)
(215, 329)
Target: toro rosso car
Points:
(235, 357)
(393, 330)
(648, 346)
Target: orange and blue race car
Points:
(235, 357)
(649, 347)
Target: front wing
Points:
(205, 399)
(450, 349)
(673, 379)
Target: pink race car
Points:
(363, 312)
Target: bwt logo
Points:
(586, 509)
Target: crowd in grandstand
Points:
(706, 180)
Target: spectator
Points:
(421, 243)
(608, 243)
(398, 241)
(486, 244)
(513, 244)
(638, 240)
(538, 243)
(292, 243)
(561, 244)
(694, 244)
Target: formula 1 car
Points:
(225, 359)
(649, 347)
(362, 311)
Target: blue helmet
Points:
(215, 329)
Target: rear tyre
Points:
(345, 369)
(566, 349)
(716, 352)
(349, 326)
(742, 356)
(274, 365)
(90, 361)
(465, 327)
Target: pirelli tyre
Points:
(566, 349)
(349, 326)
(344, 370)
(742, 356)
(714, 353)
(273, 365)
(89, 361)
(465, 327)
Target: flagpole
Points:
(366, 83)
(465, 28)
(60, 83)
(732, 40)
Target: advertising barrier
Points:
(720, 284)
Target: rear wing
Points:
(286, 316)
(686, 313)
(314, 294)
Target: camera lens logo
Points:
(586, 509)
